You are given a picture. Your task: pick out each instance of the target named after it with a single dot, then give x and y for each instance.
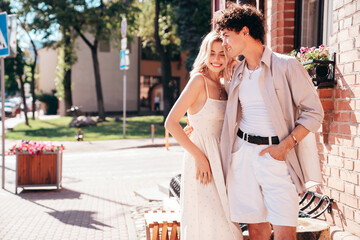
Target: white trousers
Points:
(260, 188)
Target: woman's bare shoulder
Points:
(197, 80)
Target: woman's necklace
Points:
(252, 71)
(220, 91)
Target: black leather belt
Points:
(257, 139)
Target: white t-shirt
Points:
(157, 99)
(255, 119)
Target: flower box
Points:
(37, 165)
(318, 64)
(39, 170)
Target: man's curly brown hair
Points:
(235, 17)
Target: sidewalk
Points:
(98, 199)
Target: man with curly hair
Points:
(267, 143)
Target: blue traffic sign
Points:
(122, 59)
(4, 44)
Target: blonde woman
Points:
(203, 200)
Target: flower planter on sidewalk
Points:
(37, 164)
(38, 170)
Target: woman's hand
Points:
(203, 170)
(228, 71)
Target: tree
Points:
(159, 38)
(98, 21)
(82, 17)
(66, 59)
(47, 18)
(165, 62)
(15, 72)
(32, 65)
(5, 6)
(193, 19)
(14, 69)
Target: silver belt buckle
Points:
(246, 138)
(270, 140)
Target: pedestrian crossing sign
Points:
(4, 45)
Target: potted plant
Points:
(38, 164)
(318, 64)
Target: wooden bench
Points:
(160, 223)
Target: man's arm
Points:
(307, 102)
(280, 151)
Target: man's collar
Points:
(266, 57)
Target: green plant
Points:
(306, 54)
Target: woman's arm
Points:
(192, 97)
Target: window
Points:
(313, 22)
(311, 25)
(328, 6)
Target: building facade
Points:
(143, 78)
(293, 24)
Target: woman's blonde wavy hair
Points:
(199, 65)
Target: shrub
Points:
(51, 103)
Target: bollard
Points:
(167, 139)
(79, 135)
(152, 132)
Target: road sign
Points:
(4, 45)
(123, 43)
(124, 59)
(123, 27)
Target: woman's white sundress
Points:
(204, 208)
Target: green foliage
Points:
(11, 86)
(306, 54)
(51, 103)
(193, 20)
(60, 74)
(167, 29)
(5, 6)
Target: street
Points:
(97, 200)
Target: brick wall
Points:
(339, 138)
(339, 141)
(280, 25)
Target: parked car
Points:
(12, 107)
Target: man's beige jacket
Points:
(290, 98)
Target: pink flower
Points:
(34, 147)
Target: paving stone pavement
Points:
(97, 195)
(98, 199)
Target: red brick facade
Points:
(339, 142)
(280, 18)
(339, 138)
